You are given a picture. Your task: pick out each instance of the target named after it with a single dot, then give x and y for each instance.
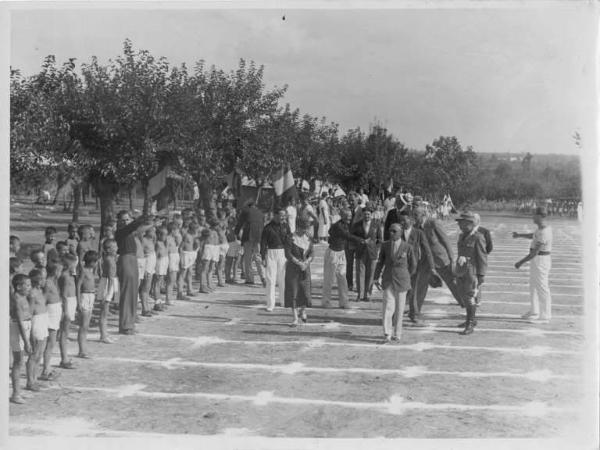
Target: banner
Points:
(158, 190)
(284, 186)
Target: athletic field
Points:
(219, 364)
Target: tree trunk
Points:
(147, 199)
(77, 188)
(206, 198)
(130, 194)
(106, 192)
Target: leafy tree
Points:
(218, 119)
(449, 168)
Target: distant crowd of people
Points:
(397, 245)
(555, 207)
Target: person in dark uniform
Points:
(471, 266)
(127, 267)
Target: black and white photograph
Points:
(286, 225)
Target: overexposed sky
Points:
(499, 79)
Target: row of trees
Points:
(115, 126)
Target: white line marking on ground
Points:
(526, 293)
(395, 405)
(297, 367)
(419, 347)
(451, 301)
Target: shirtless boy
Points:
(39, 327)
(173, 242)
(68, 297)
(20, 331)
(86, 295)
(162, 267)
(54, 308)
(187, 254)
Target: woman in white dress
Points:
(324, 218)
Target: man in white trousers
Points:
(335, 259)
(398, 263)
(272, 243)
(539, 270)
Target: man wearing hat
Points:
(541, 262)
(471, 266)
(369, 230)
(441, 251)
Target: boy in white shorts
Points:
(173, 241)
(141, 262)
(20, 331)
(55, 311)
(162, 267)
(187, 253)
(39, 327)
(86, 295)
(234, 251)
(68, 296)
(210, 257)
(149, 270)
(108, 288)
(223, 248)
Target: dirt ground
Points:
(219, 364)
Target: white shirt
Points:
(543, 236)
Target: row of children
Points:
(70, 277)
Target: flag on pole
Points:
(158, 190)
(390, 186)
(284, 185)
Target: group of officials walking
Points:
(408, 252)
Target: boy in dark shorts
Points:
(20, 331)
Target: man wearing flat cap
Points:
(471, 266)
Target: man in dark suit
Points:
(251, 221)
(418, 241)
(369, 230)
(351, 246)
(441, 251)
(398, 263)
(393, 216)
